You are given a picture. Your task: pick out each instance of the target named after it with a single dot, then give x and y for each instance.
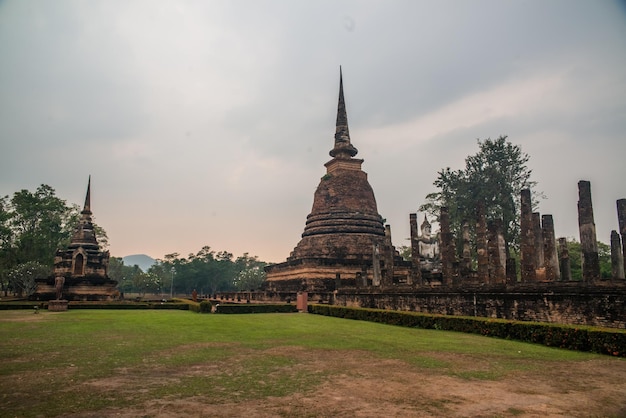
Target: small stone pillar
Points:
(564, 261)
(466, 264)
(497, 252)
(415, 250)
(376, 264)
(482, 256)
(302, 300)
(447, 247)
(587, 228)
(617, 258)
(550, 256)
(527, 238)
(621, 219)
(538, 235)
(388, 257)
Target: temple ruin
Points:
(346, 257)
(82, 265)
(344, 241)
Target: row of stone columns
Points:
(540, 257)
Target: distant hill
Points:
(143, 261)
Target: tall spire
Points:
(343, 148)
(84, 234)
(87, 208)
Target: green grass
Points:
(51, 361)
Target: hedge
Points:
(254, 308)
(579, 338)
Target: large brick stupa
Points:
(344, 237)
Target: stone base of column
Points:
(57, 305)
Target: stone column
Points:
(550, 256)
(447, 247)
(564, 262)
(587, 228)
(617, 258)
(376, 264)
(538, 235)
(482, 256)
(527, 238)
(466, 265)
(497, 252)
(621, 219)
(388, 257)
(415, 250)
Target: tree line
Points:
(207, 272)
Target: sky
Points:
(209, 122)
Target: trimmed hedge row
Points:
(98, 305)
(133, 305)
(581, 338)
(254, 308)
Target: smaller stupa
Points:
(82, 266)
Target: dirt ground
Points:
(371, 387)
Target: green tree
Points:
(575, 258)
(22, 277)
(494, 177)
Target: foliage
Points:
(494, 177)
(33, 225)
(209, 272)
(603, 341)
(575, 256)
(22, 277)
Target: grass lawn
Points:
(177, 363)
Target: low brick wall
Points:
(576, 304)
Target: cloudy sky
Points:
(208, 122)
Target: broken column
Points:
(447, 248)
(415, 252)
(376, 264)
(527, 239)
(497, 252)
(466, 264)
(564, 261)
(482, 256)
(621, 219)
(587, 228)
(387, 275)
(550, 256)
(617, 258)
(538, 239)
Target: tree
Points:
(494, 177)
(574, 250)
(22, 277)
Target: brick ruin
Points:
(83, 266)
(346, 257)
(345, 242)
